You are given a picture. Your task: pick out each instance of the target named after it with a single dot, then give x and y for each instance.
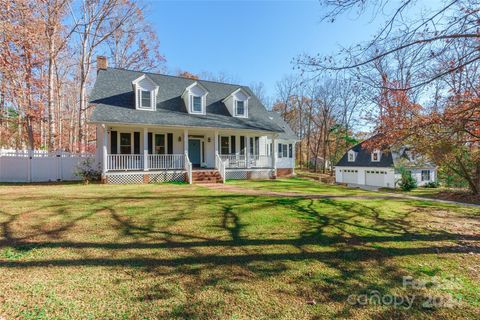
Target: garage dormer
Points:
(376, 155)
(237, 103)
(195, 97)
(145, 93)
(352, 155)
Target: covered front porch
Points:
(154, 151)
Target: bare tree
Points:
(100, 19)
(432, 34)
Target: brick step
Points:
(206, 176)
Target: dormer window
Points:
(145, 99)
(196, 104)
(195, 97)
(145, 93)
(376, 156)
(352, 155)
(237, 103)
(240, 108)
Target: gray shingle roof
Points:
(364, 158)
(113, 98)
(287, 133)
(388, 158)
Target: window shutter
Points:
(136, 142)
(150, 143)
(232, 144)
(170, 143)
(280, 153)
(113, 142)
(290, 151)
(242, 145)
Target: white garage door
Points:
(350, 176)
(375, 178)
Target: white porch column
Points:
(185, 141)
(294, 157)
(274, 154)
(145, 149)
(247, 153)
(215, 138)
(104, 151)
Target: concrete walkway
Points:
(256, 192)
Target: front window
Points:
(160, 144)
(375, 156)
(285, 150)
(425, 175)
(125, 143)
(240, 108)
(197, 104)
(224, 145)
(280, 152)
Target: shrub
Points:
(407, 182)
(432, 184)
(87, 171)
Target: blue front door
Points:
(194, 152)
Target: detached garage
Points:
(377, 168)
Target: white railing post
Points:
(274, 155)
(220, 166)
(247, 152)
(146, 163)
(188, 167)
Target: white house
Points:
(153, 127)
(380, 168)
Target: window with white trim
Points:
(425, 175)
(197, 104)
(125, 143)
(145, 99)
(376, 156)
(160, 144)
(351, 156)
(224, 145)
(239, 108)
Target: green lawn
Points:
(183, 251)
(299, 185)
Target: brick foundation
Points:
(284, 172)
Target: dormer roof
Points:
(239, 90)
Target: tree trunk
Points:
(51, 93)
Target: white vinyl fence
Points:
(39, 165)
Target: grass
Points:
(460, 195)
(299, 185)
(187, 252)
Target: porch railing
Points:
(261, 161)
(220, 165)
(125, 162)
(233, 161)
(166, 161)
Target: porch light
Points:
(209, 140)
(179, 138)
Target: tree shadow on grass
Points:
(334, 235)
